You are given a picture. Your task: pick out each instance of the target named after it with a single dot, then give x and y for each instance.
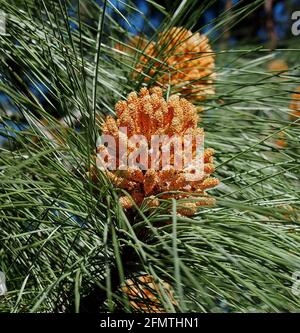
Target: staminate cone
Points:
(143, 291)
(149, 114)
(181, 59)
(281, 140)
(295, 105)
(278, 66)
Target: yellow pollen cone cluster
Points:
(181, 59)
(295, 105)
(142, 293)
(149, 114)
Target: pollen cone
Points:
(295, 104)
(143, 291)
(146, 116)
(181, 59)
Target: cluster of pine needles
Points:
(67, 245)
